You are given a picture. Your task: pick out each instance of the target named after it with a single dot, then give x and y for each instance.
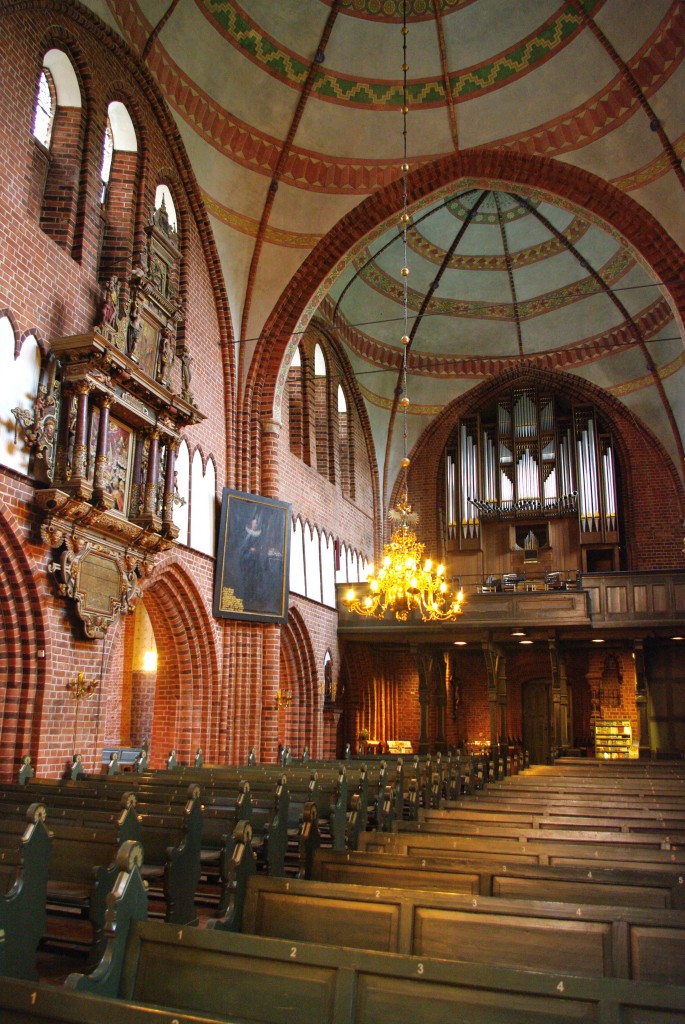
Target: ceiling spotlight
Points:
(678, 638)
(525, 641)
(518, 632)
(462, 643)
(597, 640)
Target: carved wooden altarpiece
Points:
(114, 429)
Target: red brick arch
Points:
(653, 528)
(299, 675)
(492, 169)
(24, 635)
(188, 685)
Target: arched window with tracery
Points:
(297, 573)
(58, 130)
(202, 505)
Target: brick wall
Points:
(51, 231)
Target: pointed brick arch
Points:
(484, 168)
(21, 671)
(299, 726)
(188, 685)
(645, 465)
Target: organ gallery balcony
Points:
(615, 604)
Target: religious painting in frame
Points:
(253, 558)
(117, 473)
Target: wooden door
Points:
(666, 700)
(536, 720)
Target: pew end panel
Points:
(126, 902)
(236, 871)
(25, 902)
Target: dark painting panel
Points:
(253, 558)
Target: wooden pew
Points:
(594, 941)
(170, 830)
(23, 1002)
(172, 844)
(81, 870)
(164, 803)
(489, 875)
(24, 860)
(536, 846)
(586, 818)
(304, 787)
(264, 979)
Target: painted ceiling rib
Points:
(446, 260)
(449, 103)
(158, 28)
(395, 238)
(654, 120)
(319, 57)
(510, 274)
(629, 320)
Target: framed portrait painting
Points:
(253, 558)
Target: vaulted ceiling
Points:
(545, 183)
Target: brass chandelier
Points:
(406, 581)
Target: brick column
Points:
(271, 635)
(271, 432)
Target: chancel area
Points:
(342, 501)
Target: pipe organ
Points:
(532, 456)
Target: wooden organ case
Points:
(104, 433)
(532, 479)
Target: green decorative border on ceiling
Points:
(392, 10)
(419, 244)
(521, 58)
(461, 211)
(612, 271)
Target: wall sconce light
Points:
(80, 687)
(150, 661)
(284, 699)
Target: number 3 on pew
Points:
(419, 968)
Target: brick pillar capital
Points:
(271, 428)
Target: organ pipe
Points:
(469, 483)
(530, 461)
(450, 491)
(609, 481)
(489, 477)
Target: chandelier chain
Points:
(406, 582)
